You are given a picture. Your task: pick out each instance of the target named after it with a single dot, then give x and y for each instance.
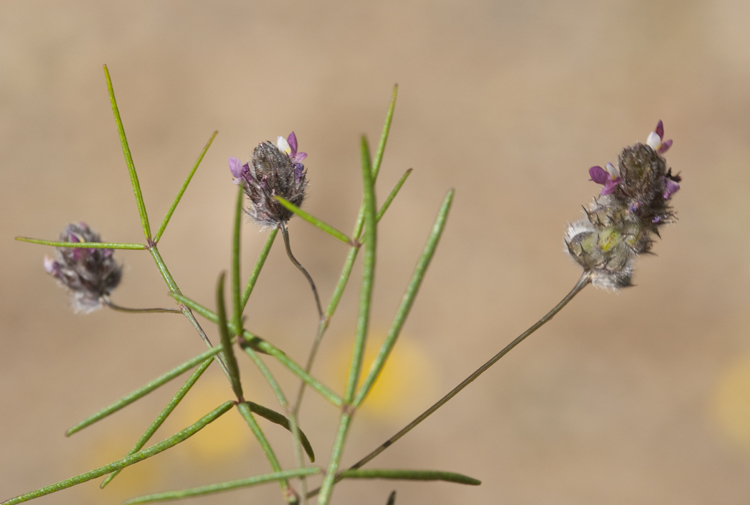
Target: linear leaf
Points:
(410, 475)
(79, 245)
(314, 220)
(142, 391)
(276, 418)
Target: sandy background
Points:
(638, 397)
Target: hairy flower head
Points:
(87, 274)
(620, 223)
(273, 170)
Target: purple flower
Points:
(656, 140)
(273, 170)
(670, 187)
(87, 274)
(608, 178)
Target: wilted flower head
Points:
(88, 274)
(633, 205)
(273, 170)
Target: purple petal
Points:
(235, 166)
(664, 147)
(657, 219)
(72, 237)
(299, 157)
(660, 129)
(599, 175)
(610, 186)
(672, 188)
(292, 140)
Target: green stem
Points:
(177, 199)
(285, 234)
(244, 409)
(127, 460)
(363, 320)
(258, 267)
(112, 305)
(263, 346)
(173, 289)
(407, 301)
(166, 411)
(582, 283)
(128, 158)
(294, 426)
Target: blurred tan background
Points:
(638, 397)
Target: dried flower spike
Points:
(273, 170)
(88, 274)
(621, 222)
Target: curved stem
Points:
(112, 305)
(302, 269)
(582, 283)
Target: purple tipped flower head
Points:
(273, 170)
(87, 273)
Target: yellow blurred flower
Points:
(731, 403)
(408, 375)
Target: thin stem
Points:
(172, 207)
(128, 158)
(258, 267)
(261, 345)
(169, 280)
(112, 305)
(83, 245)
(582, 283)
(127, 460)
(285, 234)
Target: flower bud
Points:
(621, 222)
(273, 170)
(87, 274)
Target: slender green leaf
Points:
(127, 460)
(128, 159)
(163, 414)
(236, 300)
(172, 207)
(258, 267)
(389, 199)
(384, 135)
(368, 274)
(410, 475)
(276, 418)
(246, 413)
(407, 301)
(314, 220)
(265, 347)
(224, 486)
(365, 299)
(87, 245)
(226, 340)
(142, 391)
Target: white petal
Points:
(653, 140)
(283, 145)
(613, 172)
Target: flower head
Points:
(621, 222)
(87, 273)
(273, 170)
